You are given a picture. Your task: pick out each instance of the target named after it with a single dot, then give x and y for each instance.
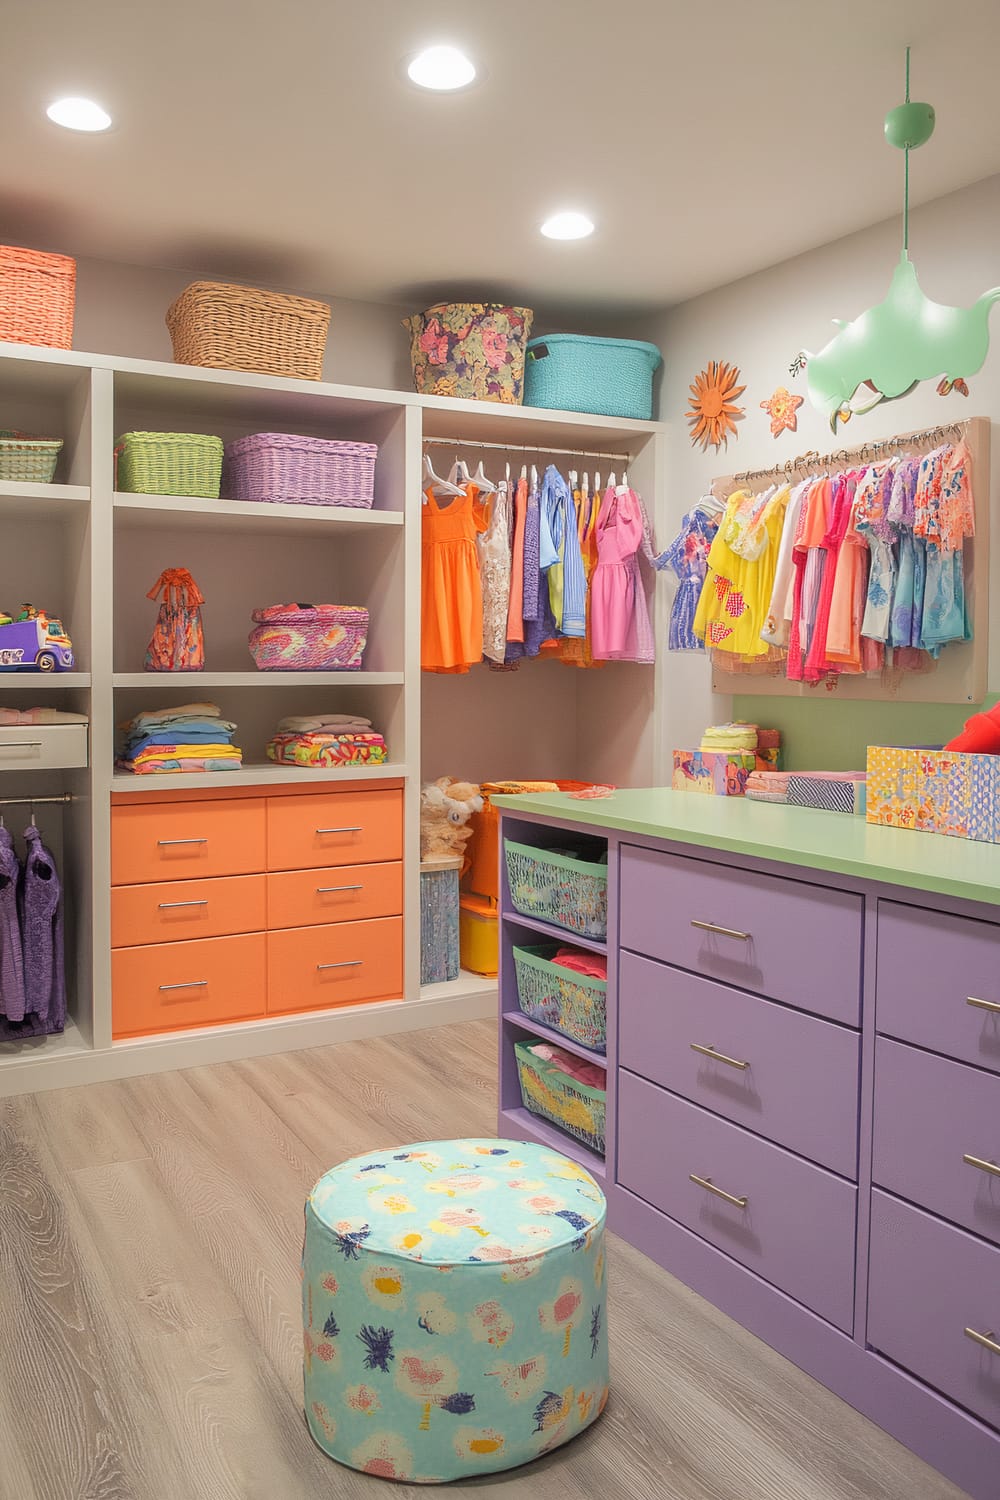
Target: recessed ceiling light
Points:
(441, 68)
(78, 114)
(568, 226)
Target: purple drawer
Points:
(930, 1114)
(785, 1075)
(927, 1284)
(930, 968)
(796, 1226)
(778, 937)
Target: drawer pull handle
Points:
(984, 1340)
(730, 1062)
(983, 1004)
(710, 1187)
(164, 842)
(192, 984)
(21, 745)
(169, 905)
(984, 1166)
(347, 963)
(744, 937)
(356, 829)
(326, 890)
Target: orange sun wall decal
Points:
(714, 412)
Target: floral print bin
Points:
(473, 350)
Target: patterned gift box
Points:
(935, 791)
(828, 793)
(712, 772)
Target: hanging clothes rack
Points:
(451, 442)
(866, 452)
(33, 801)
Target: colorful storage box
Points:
(607, 377)
(474, 350)
(169, 463)
(224, 327)
(567, 887)
(712, 772)
(439, 958)
(935, 791)
(478, 935)
(28, 459)
(837, 792)
(37, 297)
(547, 1091)
(309, 637)
(281, 468)
(572, 1003)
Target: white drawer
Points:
(42, 746)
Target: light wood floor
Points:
(149, 1328)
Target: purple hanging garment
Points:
(12, 999)
(42, 935)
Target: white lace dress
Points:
(494, 567)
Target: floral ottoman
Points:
(455, 1308)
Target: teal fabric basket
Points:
(605, 377)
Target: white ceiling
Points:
(277, 140)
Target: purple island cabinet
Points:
(803, 1094)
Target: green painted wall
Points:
(822, 734)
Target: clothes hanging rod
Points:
(814, 460)
(33, 801)
(621, 458)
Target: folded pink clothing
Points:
(584, 963)
(10, 716)
(584, 1072)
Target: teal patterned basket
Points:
(571, 1003)
(606, 377)
(558, 887)
(553, 1094)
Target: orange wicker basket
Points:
(37, 297)
(227, 327)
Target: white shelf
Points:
(267, 774)
(42, 682)
(67, 1043)
(254, 679)
(43, 499)
(467, 985)
(193, 514)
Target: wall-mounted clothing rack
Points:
(441, 442)
(33, 801)
(866, 452)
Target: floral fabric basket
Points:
(473, 350)
(309, 637)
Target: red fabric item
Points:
(981, 735)
(591, 964)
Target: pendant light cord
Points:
(906, 173)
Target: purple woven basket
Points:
(283, 469)
(309, 637)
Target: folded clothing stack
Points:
(575, 1067)
(592, 964)
(193, 737)
(327, 740)
(729, 739)
(767, 786)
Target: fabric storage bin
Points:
(28, 460)
(547, 1091)
(951, 792)
(169, 463)
(606, 377)
(224, 327)
(479, 936)
(37, 297)
(309, 637)
(439, 919)
(572, 1003)
(282, 469)
(473, 350)
(558, 887)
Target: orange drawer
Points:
(182, 840)
(338, 828)
(310, 898)
(176, 986)
(318, 968)
(175, 910)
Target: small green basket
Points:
(572, 1003)
(554, 1095)
(28, 460)
(557, 887)
(169, 463)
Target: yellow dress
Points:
(737, 590)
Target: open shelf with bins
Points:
(516, 1019)
(187, 514)
(41, 499)
(555, 934)
(49, 398)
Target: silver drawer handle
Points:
(21, 745)
(983, 1004)
(985, 1340)
(357, 829)
(169, 905)
(984, 1166)
(730, 1062)
(192, 984)
(164, 842)
(744, 937)
(326, 890)
(710, 1187)
(347, 963)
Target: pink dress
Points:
(619, 616)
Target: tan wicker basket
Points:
(227, 327)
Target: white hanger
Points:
(507, 472)
(438, 485)
(524, 471)
(625, 478)
(572, 479)
(534, 477)
(484, 485)
(597, 480)
(611, 481)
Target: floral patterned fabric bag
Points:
(178, 641)
(470, 349)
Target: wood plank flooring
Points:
(150, 1340)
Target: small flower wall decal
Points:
(782, 407)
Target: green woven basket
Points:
(169, 463)
(26, 459)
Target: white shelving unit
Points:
(80, 548)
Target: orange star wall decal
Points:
(714, 412)
(782, 408)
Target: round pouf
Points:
(454, 1308)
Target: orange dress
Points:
(451, 619)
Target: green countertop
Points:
(791, 835)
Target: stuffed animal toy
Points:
(445, 809)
